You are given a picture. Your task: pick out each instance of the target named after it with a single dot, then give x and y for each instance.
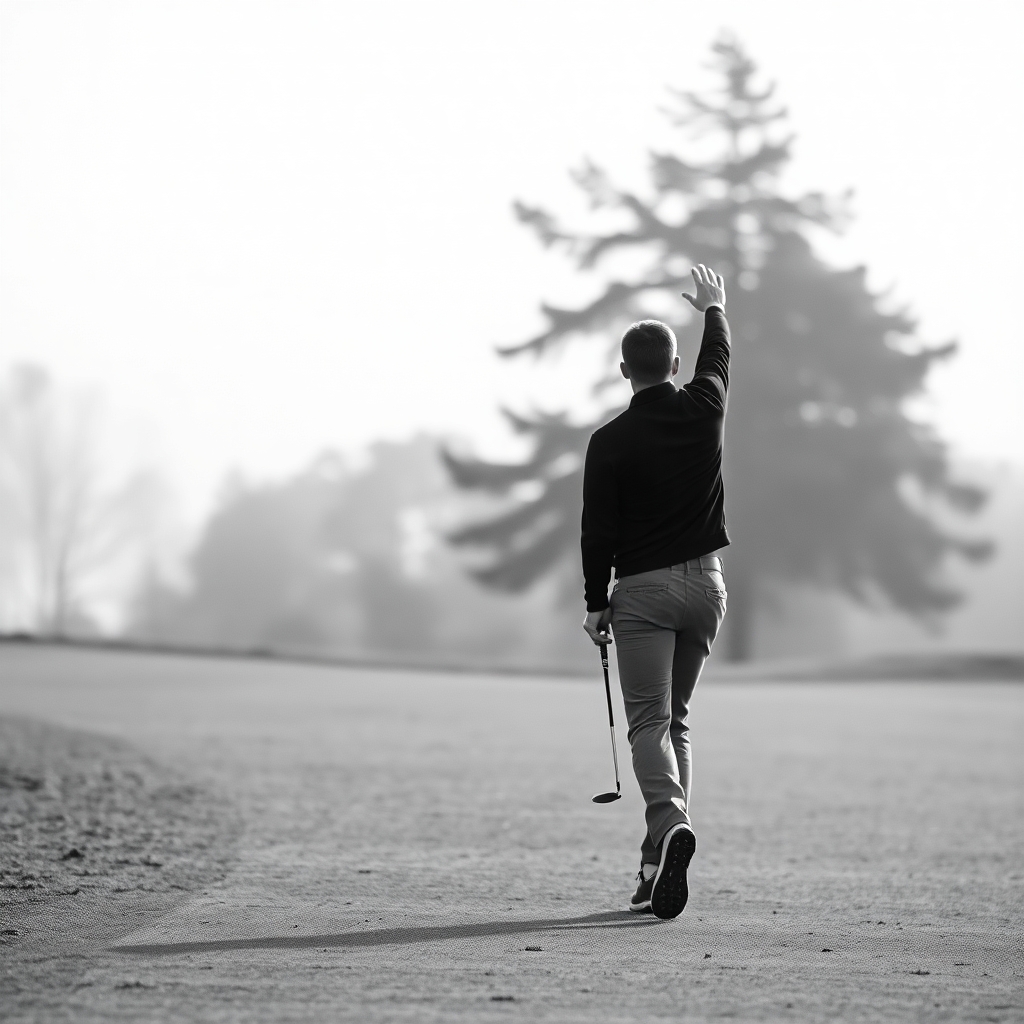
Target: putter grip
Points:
(607, 685)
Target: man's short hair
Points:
(648, 348)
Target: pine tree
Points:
(828, 480)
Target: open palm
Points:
(710, 289)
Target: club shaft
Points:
(611, 716)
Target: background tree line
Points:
(352, 561)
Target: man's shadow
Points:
(397, 936)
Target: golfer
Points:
(653, 508)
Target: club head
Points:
(606, 798)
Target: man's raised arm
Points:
(711, 374)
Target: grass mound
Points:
(81, 812)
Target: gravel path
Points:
(420, 847)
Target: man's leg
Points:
(687, 663)
(648, 851)
(701, 621)
(686, 668)
(645, 655)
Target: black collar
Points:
(653, 394)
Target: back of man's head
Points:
(648, 348)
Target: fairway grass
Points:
(422, 847)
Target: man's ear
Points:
(675, 366)
(625, 369)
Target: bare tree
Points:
(59, 527)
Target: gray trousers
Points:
(664, 623)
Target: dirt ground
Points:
(268, 842)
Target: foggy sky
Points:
(264, 229)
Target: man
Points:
(653, 507)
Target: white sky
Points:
(263, 229)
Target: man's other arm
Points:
(598, 536)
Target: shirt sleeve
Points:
(710, 381)
(600, 524)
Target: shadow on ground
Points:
(396, 936)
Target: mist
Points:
(260, 237)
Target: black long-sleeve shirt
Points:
(652, 483)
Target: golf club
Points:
(607, 798)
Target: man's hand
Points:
(596, 624)
(710, 289)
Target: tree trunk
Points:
(740, 616)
